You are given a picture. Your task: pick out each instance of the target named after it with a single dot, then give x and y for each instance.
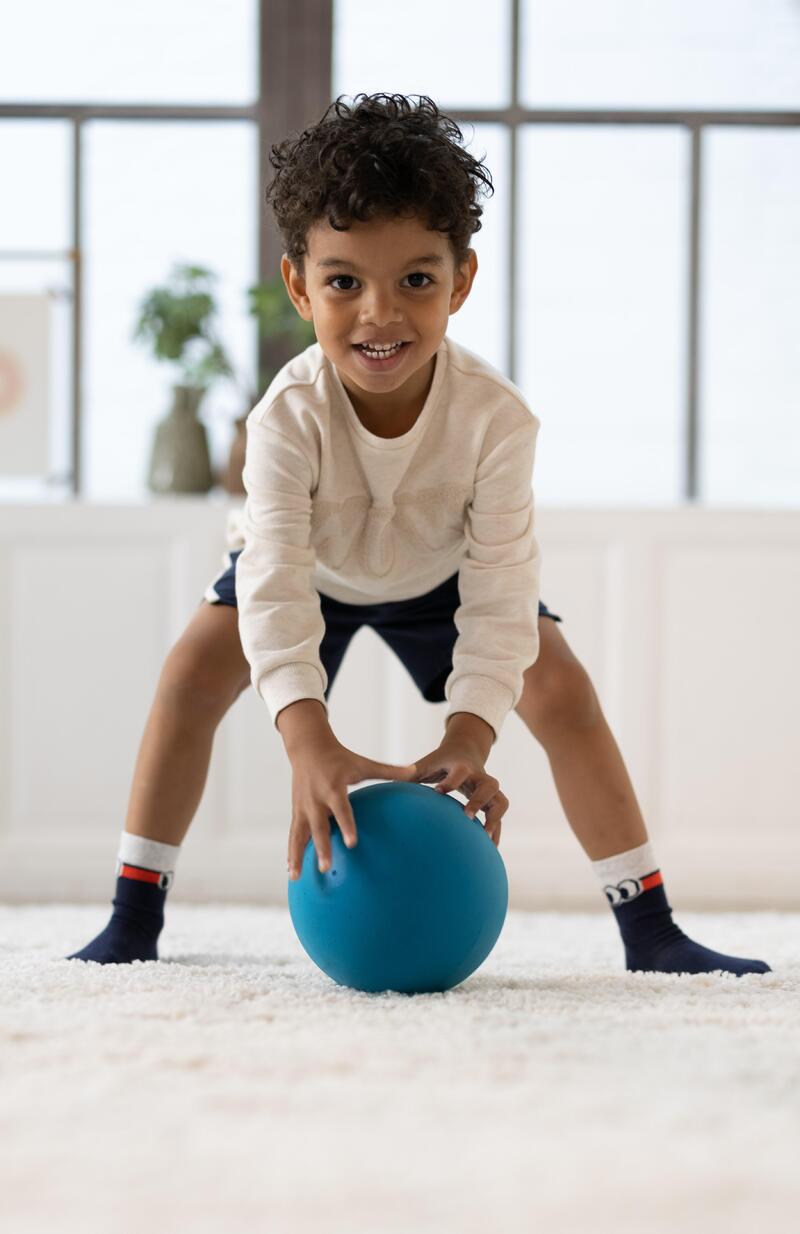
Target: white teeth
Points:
(379, 351)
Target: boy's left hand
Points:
(457, 765)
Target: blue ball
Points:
(415, 907)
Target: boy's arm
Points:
(469, 729)
(498, 582)
(280, 618)
(301, 723)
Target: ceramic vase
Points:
(180, 461)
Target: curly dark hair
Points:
(382, 156)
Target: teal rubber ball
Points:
(415, 907)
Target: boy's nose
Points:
(380, 311)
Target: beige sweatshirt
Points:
(332, 508)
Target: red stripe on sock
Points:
(652, 880)
(144, 876)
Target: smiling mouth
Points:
(386, 360)
(380, 352)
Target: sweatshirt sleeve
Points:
(280, 618)
(498, 582)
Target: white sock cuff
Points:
(150, 854)
(635, 863)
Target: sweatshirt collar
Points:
(417, 429)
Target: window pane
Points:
(602, 216)
(36, 201)
(661, 53)
(750, 370)
(481, 324)
(423, 47)
(186, 51)
(158, 193)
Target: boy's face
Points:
(370, 285)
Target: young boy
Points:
(388, 477)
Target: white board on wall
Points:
(24, 384)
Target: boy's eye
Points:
(337, 278)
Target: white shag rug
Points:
(232, 1088)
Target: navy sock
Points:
(136, 922)
(654, 943)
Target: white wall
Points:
(686, 620)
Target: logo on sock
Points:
(630, 888)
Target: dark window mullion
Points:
(295, 78)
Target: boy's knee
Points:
(191, 675)
(559, 698)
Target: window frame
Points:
(295, 68)
(295, 39)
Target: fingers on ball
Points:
(347, 823)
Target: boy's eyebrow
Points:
(427, 259)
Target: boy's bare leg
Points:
(595, 790)
(560, 707)
(203, 675)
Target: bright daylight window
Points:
(641, 288)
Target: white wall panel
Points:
(686, 621)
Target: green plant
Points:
(177, 319)
(279, 322)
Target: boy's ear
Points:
(463, 280)
(296, 286)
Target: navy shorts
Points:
(420, 631)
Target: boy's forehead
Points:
(391, 240)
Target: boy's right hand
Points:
(321, 774)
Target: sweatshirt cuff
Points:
(483, 696)
(288, 684)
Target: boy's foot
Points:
(137, 920)
(118, 944)
(671, 951)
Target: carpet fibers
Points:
(233, 1088)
